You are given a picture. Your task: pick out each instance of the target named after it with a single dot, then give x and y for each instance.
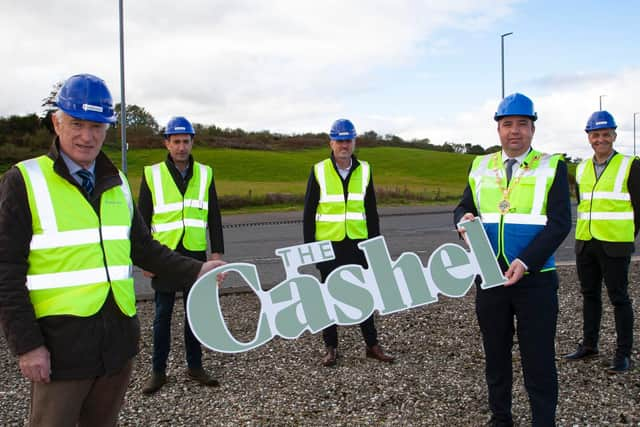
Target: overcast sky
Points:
(417, 69)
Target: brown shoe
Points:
(154, 383)
(330, 357)
(201, 376)
(375, 352)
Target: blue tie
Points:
(509, 168)
(85, 176)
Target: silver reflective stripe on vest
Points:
(330, 217)
(605, 195)
(157, 184)
(365, 178)
(200, 204)
(171, 207)
(357, 216)
(580, 171)
(203, 181)
(78, 237)
(622, 172)
(127, 193)
(477, 176)
(167, 226)
(198, 223)
(543, 172)
(77, 278)
(41, 196)
(525, 219)
(161, 207)
(50, 236)
(324, 197)
(617, 193)
(613, 216)
(176, 225)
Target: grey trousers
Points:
(92, 402)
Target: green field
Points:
(255, 180)
(401, 175)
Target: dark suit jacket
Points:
(621, 249)
(554, 232)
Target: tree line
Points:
(24, 134)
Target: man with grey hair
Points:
(69, 236)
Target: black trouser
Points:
(162, 333)
(594, 265)
(368, 327)
(533, 301)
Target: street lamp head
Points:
(506, 34)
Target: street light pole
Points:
(634, 133)
(601, 102)
(502, 36)
(123, 104)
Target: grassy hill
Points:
(262, 180)
(279, 178)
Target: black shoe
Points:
(620, 364)
(581, 353)
(330, 357)
(494, 422)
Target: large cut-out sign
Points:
(350, 293)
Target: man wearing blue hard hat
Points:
(340, 206)
(522, 197)
(608, 194)
(69, 236)
(179, 202)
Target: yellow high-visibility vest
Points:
(76, 256)
(335, 216)
(176, 216)
(605, 211)
(513, 214)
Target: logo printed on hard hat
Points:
(179, 128)
(89, 107)
(604, 122)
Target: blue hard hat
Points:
(600, 120)
(516, 104)
(86, 97)
(342, 130)
(179, 125)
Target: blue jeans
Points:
(162, 333)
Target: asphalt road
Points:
(254, 238)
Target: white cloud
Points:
(282, 64)
(562, 115)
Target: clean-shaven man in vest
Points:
(340, 206)
(69, 236)
(522, 197)
(178, 202)
(608, 193)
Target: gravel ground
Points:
(438, 379)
